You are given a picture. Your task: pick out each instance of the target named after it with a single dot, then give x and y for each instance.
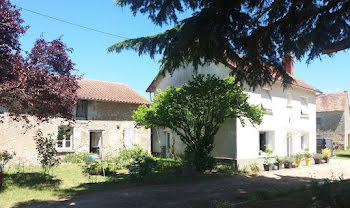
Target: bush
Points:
(326, 153)
(47, 153)
(76, 157)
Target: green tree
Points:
(196, 111)
(251, 34)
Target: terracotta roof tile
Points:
(332, 102)
(109, 91)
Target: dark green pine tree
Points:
(252, 34)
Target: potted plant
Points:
(308, 157)
(287, 162)
(268, 164)
(279, 162)
(317, 158)
(326, 154)
(298, 159)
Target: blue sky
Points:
(94, 62)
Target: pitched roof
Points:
(332, 102)
(109, 91)
(297, 83)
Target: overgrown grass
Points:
(342, 154)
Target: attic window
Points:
(266, 101)
(82, 110)
(304, 109)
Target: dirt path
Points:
(204, 193)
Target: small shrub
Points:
(226, 169)
(299, 156)
(76, 157)
(5, 157)
(255, 168)
(318, 156)
(47, 153)
(326, 153)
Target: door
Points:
(96, 143)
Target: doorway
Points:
(96, 143)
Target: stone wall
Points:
(332, 125)
(113, 120)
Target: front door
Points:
(96, 143)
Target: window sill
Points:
(62, 150)
(268, 111)
(304, 116)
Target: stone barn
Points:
(103, 124)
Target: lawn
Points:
(29, 184)
(342, 154)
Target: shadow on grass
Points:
(197, 191)
(34, 180)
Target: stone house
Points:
(333, 117)
(289, 123)
(103, 124)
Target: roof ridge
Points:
(105, 81)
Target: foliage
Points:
(334, 194)
(47, 153)
(326, 153)
(317, 156)
(255, 168)
(5, 157)
(126, 156)
(280, 160)
(39, 83)
(197, 110)
(75, 157)
(267, 158)
(251, 34)
(299, 156)
(288, 160)
(142, 165)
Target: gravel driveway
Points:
(204, 193)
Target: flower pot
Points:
(287, 165)
(326, 160)
(307, 161)
(317, 161)
(268, 167)
(187, 171)
(298, 162)
(279, 166)
(294, 165)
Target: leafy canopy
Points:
(246, 36)
(197, 110)
(40, 83)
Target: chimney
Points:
(288, 63)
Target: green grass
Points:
(28, 184)
(342, 154)
(31, 185)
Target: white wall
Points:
(244, 141)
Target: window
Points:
(266, 101)
(304, 142)
(266, 140)
(64, 137)
(96, 143)
(304, 111)
(82, 110)
(262, 141)
(289, 100)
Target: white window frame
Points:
(64, 141)
(266, 101)
(304, 107)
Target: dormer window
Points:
(82, 110)
(266, 101)
(304, 109)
